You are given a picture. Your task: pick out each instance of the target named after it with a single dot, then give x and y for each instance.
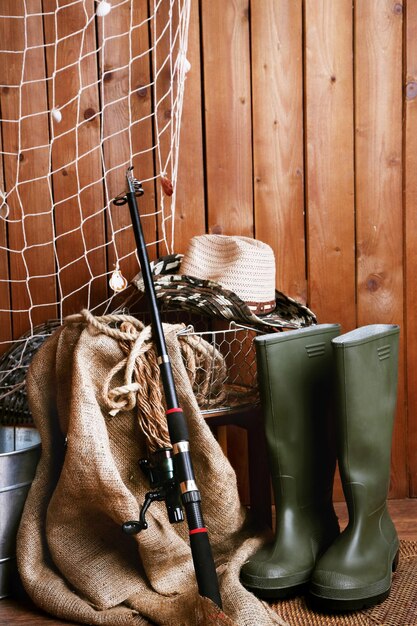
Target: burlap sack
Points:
(74, 560)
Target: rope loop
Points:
(102, 323)
(141, 388)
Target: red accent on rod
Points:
(176, 410)
(197, 530)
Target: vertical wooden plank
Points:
(5, 313)
(378, 79)
(190, 203)
(126, 98)
(330, 160)
(167, 64)
(227, 103)
(410, 198)
(114, 55)
(32, 264)
(228, 144)
(163, 23)
(141, 108)
(277, 105)
(75, 152)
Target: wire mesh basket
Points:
(220, 362)
(226, 377)
(14, 410)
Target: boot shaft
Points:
(356, 570)
(295, 382)
(366, 361)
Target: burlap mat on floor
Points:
(74, 560)
(399, 609)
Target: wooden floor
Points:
(23, 613)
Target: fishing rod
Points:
(176, 474)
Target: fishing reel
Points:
(160, 473)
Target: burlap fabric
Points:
(74, 560)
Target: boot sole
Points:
(327, 605)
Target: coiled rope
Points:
(141, 388)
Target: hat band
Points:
(261, 308)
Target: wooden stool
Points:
(250, 418)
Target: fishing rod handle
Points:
(205, 570)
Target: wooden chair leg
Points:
(249, 418)
(222, 438)
(259, 475)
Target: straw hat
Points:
(227, 277)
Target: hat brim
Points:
(206, 297)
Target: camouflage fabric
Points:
(205, 297)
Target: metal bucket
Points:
(19, 456)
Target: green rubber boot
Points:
(294, 376)
(356, 571)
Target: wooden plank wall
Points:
(305, 149)
(28, 259)
(299, 128)
(410, 236)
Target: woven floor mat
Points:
(399, 609)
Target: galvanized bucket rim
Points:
(12, 452)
